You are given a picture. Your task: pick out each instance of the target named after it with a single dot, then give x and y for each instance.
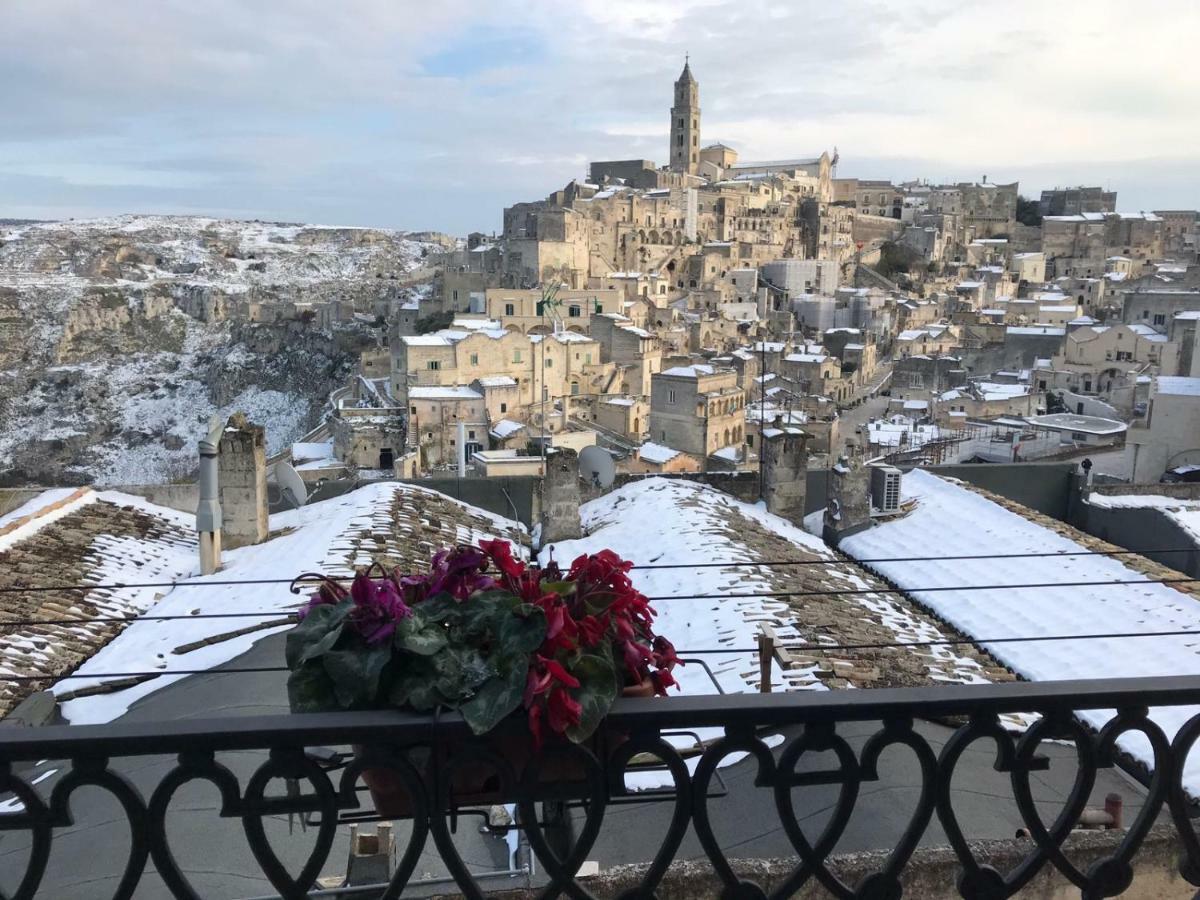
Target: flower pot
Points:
(471, 787)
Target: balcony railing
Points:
(431, 757)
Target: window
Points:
(503, 407)
(1078, 436)
(516, 356)
(509, 309)
(574, 388)
(456, 294)
(433, 365)
(1160, 319)
(1124, 356)
(587, 359)
(549, 364)
(451, 442)
(414, 410)
(573, 311)
(474, 359)
(471, 435)
(670, 396)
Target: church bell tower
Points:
(685, 124)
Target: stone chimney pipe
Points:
(208, 512)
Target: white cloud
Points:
(312, 110)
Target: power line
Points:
(9, 589)
(802, 648)
(683, 652)
(837, 592)
(892, 559)
(915, 590)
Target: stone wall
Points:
(931, 874)
(183, 497)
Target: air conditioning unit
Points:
(885, 489)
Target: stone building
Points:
(523, 311)
(1076, 200)
(698, 409)
(1167, 437)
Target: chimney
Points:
(560, 497)
(848, 497)
(242, 465)
(208, 512)
(785, 471)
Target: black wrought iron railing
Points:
(428, 771)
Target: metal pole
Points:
(762, 412)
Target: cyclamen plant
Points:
(483, 633)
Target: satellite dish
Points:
(291, 485)
(596, 465)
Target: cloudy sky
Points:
(434, 115)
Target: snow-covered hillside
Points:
(120, 336)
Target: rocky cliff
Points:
(119, 337)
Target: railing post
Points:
(766, 657)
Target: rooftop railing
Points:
(434, 772)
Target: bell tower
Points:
(685, 123)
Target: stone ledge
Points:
(931, 873)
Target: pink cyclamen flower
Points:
(378, 606)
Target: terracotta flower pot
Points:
(475, 788)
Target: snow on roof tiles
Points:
(967, 523)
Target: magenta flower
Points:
(329, 593)
(378, 606)
(459, 573)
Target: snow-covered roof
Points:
(331, 536)
(1037, 329)
(1178, 385)
(572, 337)
(729, 454)
(505, 428)
(967, 524)
(657, 453)
(443, 392)
(694, 523)
(620, 401)
(806, 358)
(1080, 423)
(497, 381)
(693, 371)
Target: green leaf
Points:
(310, 689)
(598, 688)
(355, 674)
(420, 636)
(415, 688)
(314, 629)
(522, 631)
(460, 672)
(497, 699)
